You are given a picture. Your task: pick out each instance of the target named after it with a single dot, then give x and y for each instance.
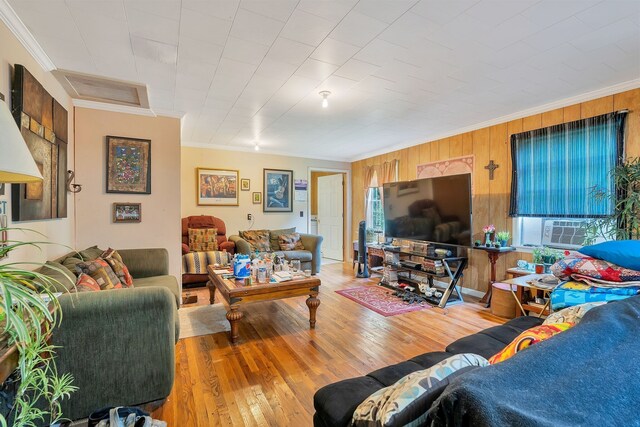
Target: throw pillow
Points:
(203, 239)
(290, 242)
(101, 272)
(90, 253)
(86, 283)
(406, 402)
(625, 253)
(274, 237)
(528, 338)
(257, 239)
(62, 279)
(571, 314)
(113, 258)
(197, 262)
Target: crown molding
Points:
(262, 151)
(22, 33)
(566, 102)
(115, 108)
(169, 113)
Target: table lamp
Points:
(16, 163)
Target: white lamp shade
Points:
(16, 163)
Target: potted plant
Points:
(503, 237)
(488, 231)
(29, 311)
(537, 260)
(624, 221)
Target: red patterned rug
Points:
(380, 300)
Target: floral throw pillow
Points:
(407, 401)
(203, 239)
(85, 283)
(257, 239)
(113, 258)
(101, 272)
(290, 242)
(529, 337)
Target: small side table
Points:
(494, 254)
(522, 283)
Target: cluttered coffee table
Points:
(235, 294)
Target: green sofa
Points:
(310, 258)
(119, 345)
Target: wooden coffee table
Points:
(235, 294)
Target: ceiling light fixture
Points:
(256, 147)
(325, 94)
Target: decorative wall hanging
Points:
(127, 212)
(455, 166)
(128, 165)
(217, 187)
(278, 191)
(257, 197)
(43, 123)
(245, 184)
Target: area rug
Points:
(380, 300)
(203, 320)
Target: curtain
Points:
(389, 172)
(556, 169)
(369, 177)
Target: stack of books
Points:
(389, 275)
(433, 266)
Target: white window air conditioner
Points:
(559, 233)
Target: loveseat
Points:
(586, 375)
(118, 344)
(310, 257)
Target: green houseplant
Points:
(503, 237)
(624, 222)
(28, 313)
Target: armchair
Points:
(204, 221)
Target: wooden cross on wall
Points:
(491, 167)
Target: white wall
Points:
(58, 231)
(250, 165)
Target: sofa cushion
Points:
(303, 256)
(391, 374)
(86, 283)
(524, 322)
(407, 401)
(197, 262)
(290, 242)
(528, 338)
(63, 279)
(71, 262)
(336, 402)
(275, 234)
(101, 272)
(427, 360)
(479, 343)
(113, 258)
(203, 239)
(91, 253)
(167, 281)
(258, 240)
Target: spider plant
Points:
(29, 311)
(624, 222)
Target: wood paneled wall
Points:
(491, 198)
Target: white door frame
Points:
(346, 245)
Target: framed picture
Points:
(127, 212)
(128, 165)
(217, 187)
(245, 184)
(257, 197)
(278, 190)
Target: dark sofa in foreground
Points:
(587, 375)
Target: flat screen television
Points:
(435, 210)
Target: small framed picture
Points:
(245, 184)
(127, 212)
(257, 198)
(128, 165)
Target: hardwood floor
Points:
(270, 376)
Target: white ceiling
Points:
(400, 71)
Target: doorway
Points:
(328, 194)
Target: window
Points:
(556, 170)
(375, 211)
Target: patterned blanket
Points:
(197, 262)
(595, 271)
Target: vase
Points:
(503, 243)
(487, 239)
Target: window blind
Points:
(556, 169)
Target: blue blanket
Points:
(586, 376)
